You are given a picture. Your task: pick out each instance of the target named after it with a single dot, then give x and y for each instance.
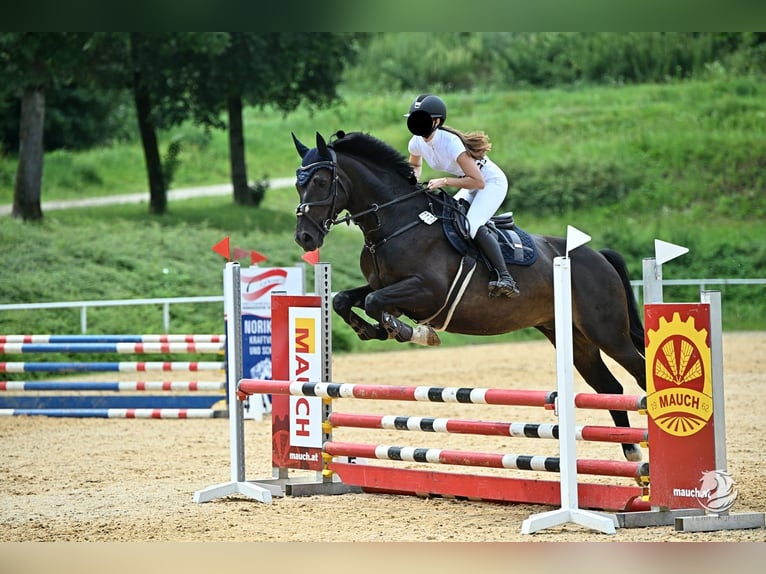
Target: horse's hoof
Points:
(425, 335)
(632, 452)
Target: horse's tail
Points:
(636, 324)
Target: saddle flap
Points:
(517, 245)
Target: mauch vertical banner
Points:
(297, 356)
(679, 392)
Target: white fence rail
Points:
(166, 302)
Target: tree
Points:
(283, 69)
(32, 63)
(160, 69)
(165, 70)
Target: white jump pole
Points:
(232, 301)
(569, 511)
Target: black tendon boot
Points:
(505, 285)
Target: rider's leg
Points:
(505, 285)
(484, 203)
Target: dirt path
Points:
(133, 480)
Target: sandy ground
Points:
(86, 480)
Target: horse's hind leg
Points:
(590, 365)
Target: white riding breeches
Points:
(484, 202)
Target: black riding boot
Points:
(505, 285)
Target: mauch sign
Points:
(679, 389)
(257, 285)
(296, 421)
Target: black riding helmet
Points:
(423, 111)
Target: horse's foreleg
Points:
(404, 333)
(343, 304)
(384, 305)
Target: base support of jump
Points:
(261, 493)
(714, 522)
(428, 483)
(307, 486)
(647, 518)
(593, 520)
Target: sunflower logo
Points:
(679, 385)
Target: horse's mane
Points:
(365, 146)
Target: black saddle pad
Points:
(517, 245)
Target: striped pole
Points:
(120, 348)
(180, 386)
(509, 397)
(396, 393)
(121, 367)
(634, 470)
(112, 338)
(114, 413)
(486, 428)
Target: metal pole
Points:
(233, 297)
(166, 316)
(713, 298)
(652, 274)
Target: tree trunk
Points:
(158, 199)
(29, 173)
(242, 193)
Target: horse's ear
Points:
(302, 149)
(322, 146)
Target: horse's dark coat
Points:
(409, 266)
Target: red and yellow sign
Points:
(679, 392)
(296, 421)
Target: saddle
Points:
(517, 245)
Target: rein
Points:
(374, 209)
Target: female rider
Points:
(464, 155)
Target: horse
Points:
(413, 270)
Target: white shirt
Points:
(441, 154)
(442, 151)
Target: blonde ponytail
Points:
(476, 143)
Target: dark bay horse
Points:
(412, 270)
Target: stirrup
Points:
(503, 287)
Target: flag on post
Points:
(311, 257)
(256, 257)
(223, 248)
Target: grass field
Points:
(681, 162)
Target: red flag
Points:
(223, 249)
(256, 257)
(311, 257)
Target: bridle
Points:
(304, 175)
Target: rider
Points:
(483, 184)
